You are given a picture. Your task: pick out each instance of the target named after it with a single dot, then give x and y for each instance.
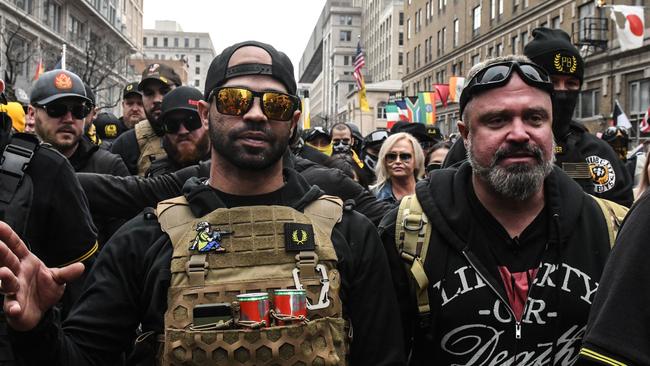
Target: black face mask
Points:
(564, 102)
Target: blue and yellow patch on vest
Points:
(208, 239)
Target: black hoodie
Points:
(127, 287)
(472, 322)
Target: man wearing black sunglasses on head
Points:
(60, 109)
(273, 231)
(515, 248)
(585, 157)
(142, 145)
(186, 140)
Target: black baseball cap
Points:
(57, 84)
(280, 69)
(182, 98)
(418, 130)
(108, 127)
(131, 88)
(553, 51)
(160, 72)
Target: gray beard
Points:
(518, 181)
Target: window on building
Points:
(187, 43)
(587, 105)
(431, 48)
(175, 42)
(400, 39)
(639, 96)
(52, 15)
(439, 44)
(428, 12)
(197, 82)
(515, 44)
(165, 42)
(163, 57)
(197, 58)
(197, 43)
(444, 36)
(400, 59)
(197, 70)
(476, 59)
(75, 30)
(345, 20)
(456, 32)
(345, 36)
(350, 87)
(500, 7)
(381, 110)
(476, 19)
(155, 56)
(555, 22)
(407, 62)
(490, 52)
(493, 9)
(401, 18)
(499, 49)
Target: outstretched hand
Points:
(30, 288)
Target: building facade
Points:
(328, 61)
(99, 36)
(382, 36)
(463, 33)
(167, 41)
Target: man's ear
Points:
(204, 109)
(294, 122)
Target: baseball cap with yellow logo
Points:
(160, 72)
(131, 88)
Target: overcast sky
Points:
(285, 24)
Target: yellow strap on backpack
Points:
(614, 215)
(412, 234)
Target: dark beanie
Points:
(552, 49)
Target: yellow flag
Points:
(363, 101)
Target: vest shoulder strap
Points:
(412, 235)
(614, 216)
(325, 212)
(173, 214)
(143, 132)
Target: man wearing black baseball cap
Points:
(132, 108)
(186, 140)
(240, 232)
(142, 145)
(585, 157)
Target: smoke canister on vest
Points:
(254, 309)
(290, 305)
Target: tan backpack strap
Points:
(412, 235)
(325, 212)
(614, 216)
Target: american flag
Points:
(359, 63)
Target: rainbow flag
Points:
(427, 101)
(456, 84)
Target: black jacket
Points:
(619, 322)
(90, 158)
(126, 146)
(128, 286)
(125, 197)
(472, 321)
(610, 178)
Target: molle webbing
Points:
(254, 260)
(150, 146)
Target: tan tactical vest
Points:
(254, 260)
(150, 146)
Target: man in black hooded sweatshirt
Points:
(516, 248)
(590, 161)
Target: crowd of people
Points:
(175, 233)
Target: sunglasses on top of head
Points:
(498, 75)
(191, 121)
(236, 101)
(58, 109)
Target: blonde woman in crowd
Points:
(400, 165)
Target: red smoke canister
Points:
(290, 302)
(254, 307)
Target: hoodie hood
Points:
(444, 199)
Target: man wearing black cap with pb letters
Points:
(165, 276)
(584, 157)
(186, 140)
(142, 145)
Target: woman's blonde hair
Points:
(382, 172)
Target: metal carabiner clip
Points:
(323, 299)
